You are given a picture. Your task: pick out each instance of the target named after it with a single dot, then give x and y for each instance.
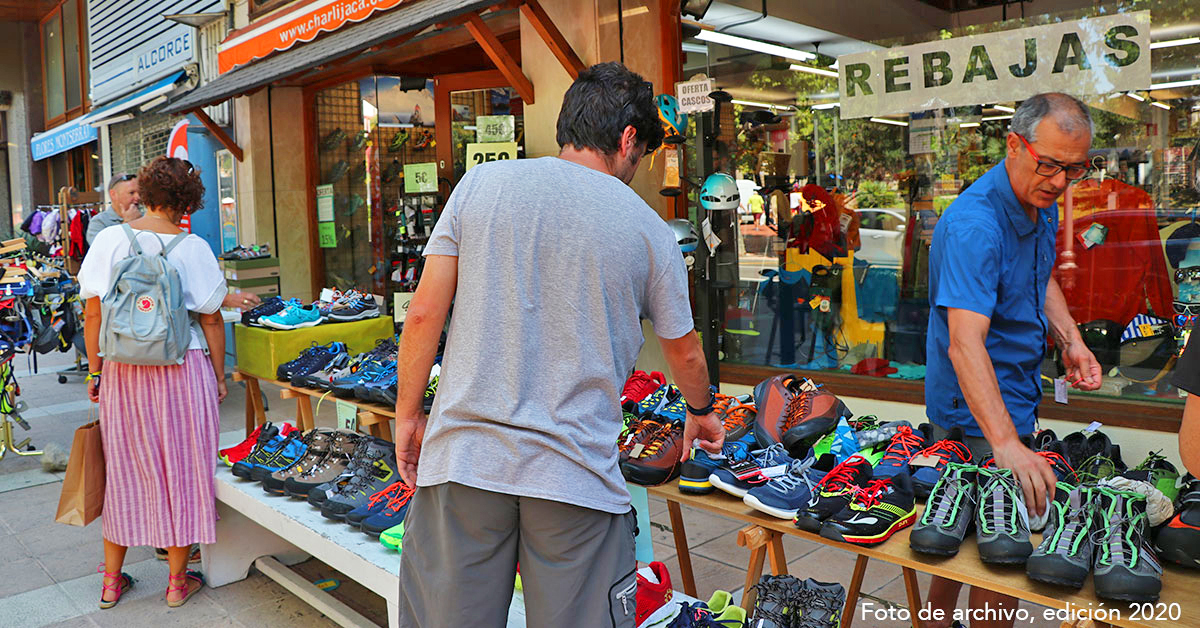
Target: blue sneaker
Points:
(369, 372)
(294, 316)
(392, 514)
(693, 474)
(365, 390)
(374, 505)
(938, 455)
(313, 359)
(354, 307)
(271, 305)
(901, 449)
(651, 403)
(783, 495)
(743, 470)
(278, 454)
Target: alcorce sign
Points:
(1093, 56)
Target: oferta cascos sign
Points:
(1098, 55)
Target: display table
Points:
(373, 416)
(1179, 585)
(269, 531)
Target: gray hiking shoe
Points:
(949, 512)
(822, 604)
(1126, 568)
(339, 453)
(1065, 554)
(880, 434)
(1001, 521)
(373, 469)
(318, 441)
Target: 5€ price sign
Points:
(420, 178)
(492, 151)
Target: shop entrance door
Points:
(486, 123)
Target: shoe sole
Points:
(829, 532)
(242, 470)
(692, 486)
(274, 325)
(1178, 556)
(738, 492)
(808, 523)
(357, 317)
(1062, 582)
(649, 476)
(931, 549)
(805, 435)
(755, 503)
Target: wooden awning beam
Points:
(553, 37)
(500, 56)
(218, 133)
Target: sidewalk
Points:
(49, 572)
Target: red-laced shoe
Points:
(927, 465)
(877, 512)
(393, 512)
(640, 384)
(900, 450)
(834, 492)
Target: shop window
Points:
(71, 55)
(259, 8)
(227, 193)
(835, 271)
(64, 62)
(52, 57)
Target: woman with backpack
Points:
(153, 297)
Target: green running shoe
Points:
(391, 538)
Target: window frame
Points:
(85, 101)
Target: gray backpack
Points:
(144, 318)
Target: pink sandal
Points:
(186, 588)
(123, 583)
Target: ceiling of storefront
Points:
(25, 10)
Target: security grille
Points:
(134, 143)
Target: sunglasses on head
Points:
(121, 178)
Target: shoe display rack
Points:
(763, 535)
(375, 418)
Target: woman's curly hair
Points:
(172, 185)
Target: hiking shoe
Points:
(375, 504)
(1094, 456)
(778, 602)
(737, 414)
(316, 443)
(369, 371)
(901, 448)
(785, 494)
(1064, 556)
(1158, 471)
(311, 380)
(871, 433)
(927, 464)
(1125, 567)
(331, 141)
(268, 447)
(772, 396)
(398, 141)
(654, 457)
(652, 594)
(822, 604)
(882, 508)
(435, 376)
(294, 316)
(358, 307)
(269, 306)
(834, 493)
(652, 402)
(338, 455)
(1001, 520)
(1179, 540)
(375, 378)
(392, 513)
(949, 512)
(725, 613)
(238, 452)
(288, 452)
(742, 469)
(693, 474)
(639, 385)
(311, 360)
(1056, 454)
(810, 415)
(375, 469)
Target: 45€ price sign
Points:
(492, 151)
(420, 178)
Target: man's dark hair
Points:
(605, 99)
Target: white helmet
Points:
(719, 192)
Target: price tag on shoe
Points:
(1060, 391)
(745, 469)
(924, 461)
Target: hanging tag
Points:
(326, 295)
(347, 415)
(807, 385)
(710, 238)
(745, 469)
(636, 452)
(1060, 390)
(1094, 426)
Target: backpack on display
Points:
(145, 320)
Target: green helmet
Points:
(719, 192)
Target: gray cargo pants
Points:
(461, 548)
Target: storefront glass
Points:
(836, 270)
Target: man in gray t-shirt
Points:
(551, 264)
(123, 192)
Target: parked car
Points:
(882, 234)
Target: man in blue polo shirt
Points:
(994, 302)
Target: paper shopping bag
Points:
(82, 496)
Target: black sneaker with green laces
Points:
(1001, 520)
(949, 512)
(430, 393)
(1064, 556)
(1126, 568)
(778, 604)
(822, 604)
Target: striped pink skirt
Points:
(159, 426)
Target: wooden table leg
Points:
(304, 413)
(758, 540)
(754, 570)
(860, 570)
(914, 595)
(775, 551)
(255, 414)
(681, 549)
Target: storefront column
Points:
(256, 212)
(293, 237)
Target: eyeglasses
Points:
(1074, 172)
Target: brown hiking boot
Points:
(737, 415)
(318, 441)
(654, 457)
(809, 416)
(771, 399)
(340, 451)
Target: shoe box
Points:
(260, 351)
(241, 270)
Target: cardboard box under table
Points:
(260, 351)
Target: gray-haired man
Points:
(123, 193)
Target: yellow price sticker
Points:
(491, 151)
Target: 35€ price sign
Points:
(420, 178)
(495, 128)
(492, 151)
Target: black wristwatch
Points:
(706, 410)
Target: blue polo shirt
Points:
(987, 256)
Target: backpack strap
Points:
(137, 248)
(179, 237)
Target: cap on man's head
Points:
(120, 177)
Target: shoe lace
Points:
(797, 408)
(944, 448)
(1152, 462)
(865, 422)
(431, 389)
(872, 493)
(739, 416)
(797, 474)
(386, 494)
(944, 503)
(777, 591)
(401, 498)
(1096, 468)
(1003, 481)
(1060, 461)
(903, 445)
(639, 385)
(839, 478)
(656, 439)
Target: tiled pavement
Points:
(48, 570)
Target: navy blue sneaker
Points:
(311, 360)
(374, 505)
(901, 449)
(932, 460)
(693, 474)
(265, 448)
(345, 387)
(744, 469)
(270, 306)
(276, 455)
(392, 514)
(783, 495)
(363, 391)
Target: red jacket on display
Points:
(1115, 279)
